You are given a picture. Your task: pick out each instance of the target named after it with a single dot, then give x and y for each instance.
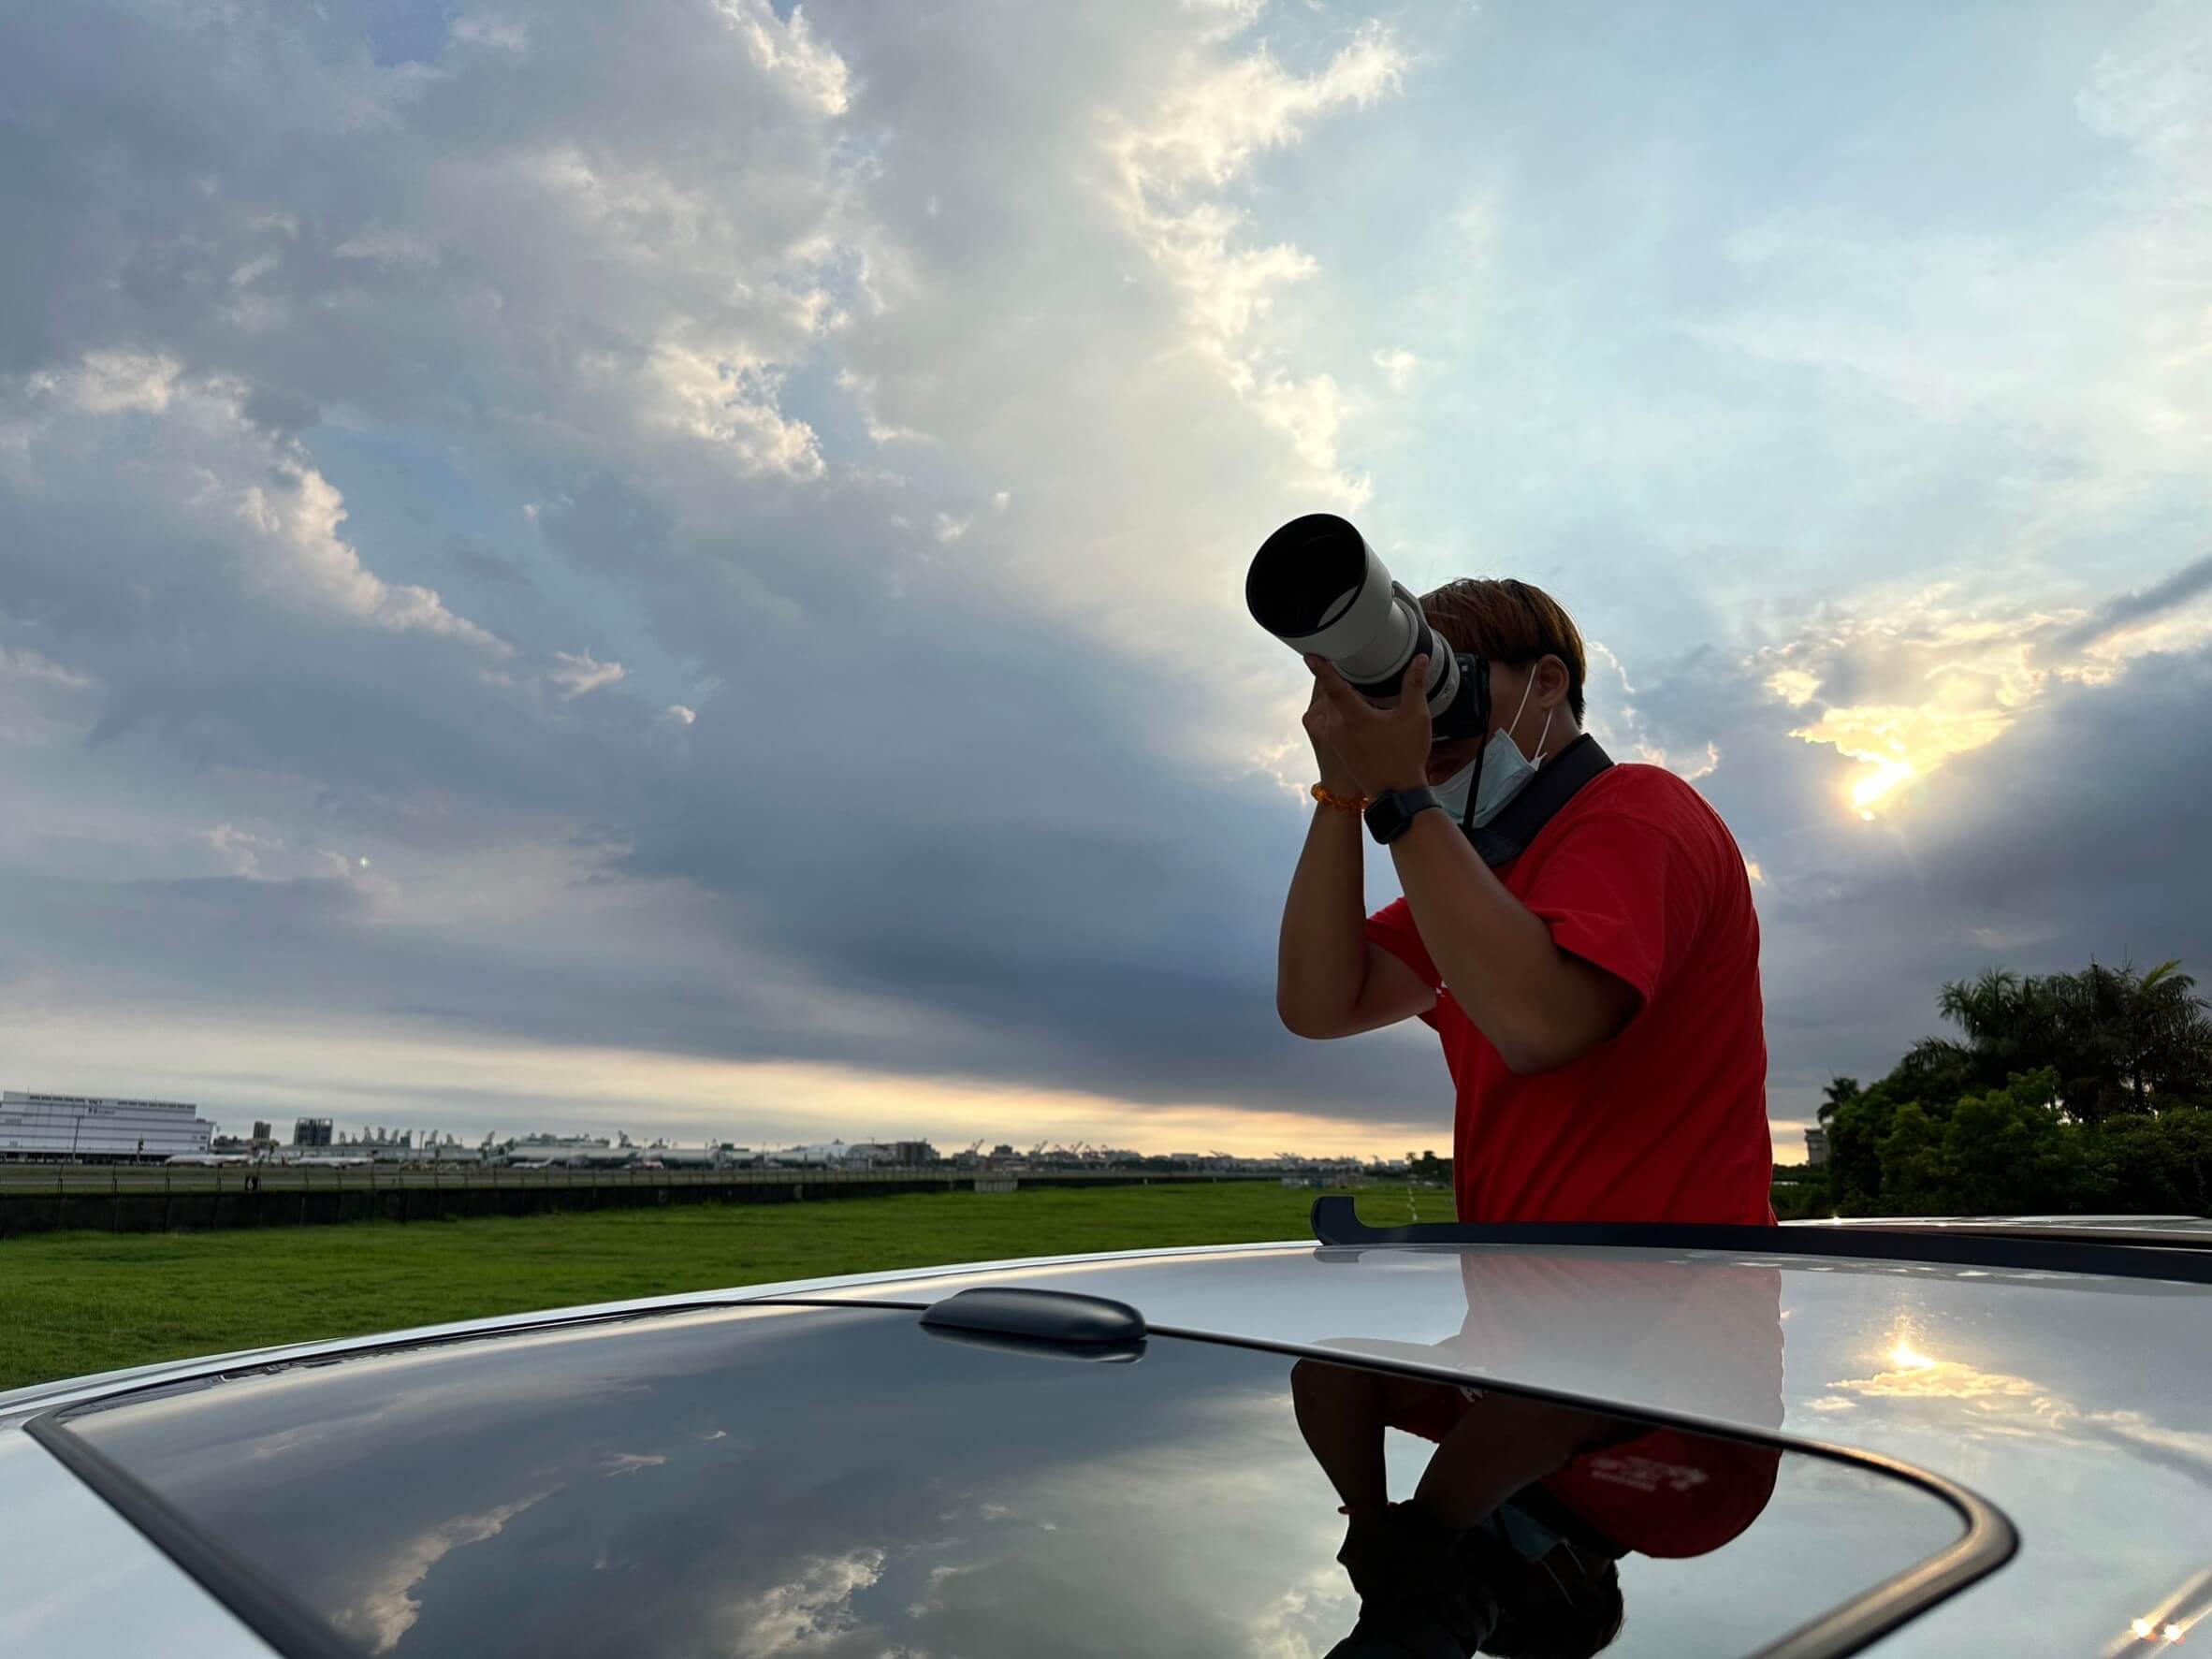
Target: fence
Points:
(46, 1198)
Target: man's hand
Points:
(1328, 765)
(1380, 750)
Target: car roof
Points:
(2072, 1400)
(686, 1481)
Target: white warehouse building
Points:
(98, 1127)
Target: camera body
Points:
(1317, 586)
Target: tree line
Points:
(2086, 1092)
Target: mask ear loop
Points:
(1475, 785)
(1544, 1561)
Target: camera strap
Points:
(1557, 781)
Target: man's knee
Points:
(1321, 1380)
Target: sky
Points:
(677, 567)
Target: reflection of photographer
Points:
(1580, 934)
(1465, 1563)
(1511, 1541)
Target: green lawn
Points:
(72, 1302)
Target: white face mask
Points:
(1505, 772)
(1452, 792)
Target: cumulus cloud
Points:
(299, 514)
(257, 494)
(1175, 169)
(728, 397)
(578, 673)
(29, 668)
(1399, 366)
(789, 50)
(241, 849)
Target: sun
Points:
(1876, 782)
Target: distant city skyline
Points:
(669, 565)
(359, 1131)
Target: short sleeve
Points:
(1392, 928)
(1624, 893)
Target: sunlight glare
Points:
(1881, 776)
(1908, 1358)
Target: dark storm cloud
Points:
(483, 564)
(279, 413)
(2129, 609)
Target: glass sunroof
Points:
(802, 1480)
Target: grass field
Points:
(72, 1302)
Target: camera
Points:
(1317, 586)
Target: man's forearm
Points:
(1518, 987)
(1321, 955)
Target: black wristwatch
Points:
(1391, 815)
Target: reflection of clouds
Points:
(1315, 1601)
(2186, 1451)
(932, 1600)
(387, 1609)
(2002, 1405)
(1946, 1379)
(285, 1440)
(1037, 1556)
(1235, 1454)
(810, 1612)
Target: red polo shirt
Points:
(1667, 1121)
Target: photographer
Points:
(1588, 954)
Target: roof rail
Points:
(1336, 1221)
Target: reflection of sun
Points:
(1909, 1372)
(1905, 1357)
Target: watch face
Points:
(1389, 815)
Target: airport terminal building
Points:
(99, 1129)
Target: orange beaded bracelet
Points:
(1328, 797)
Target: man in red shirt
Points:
(1585, 946)
(1597, 992)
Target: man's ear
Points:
(1551, 682)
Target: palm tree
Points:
(2005, 1019)
(1841, 1091)
(2159, 1029)
(2120, 1039)
(1987, 1009)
